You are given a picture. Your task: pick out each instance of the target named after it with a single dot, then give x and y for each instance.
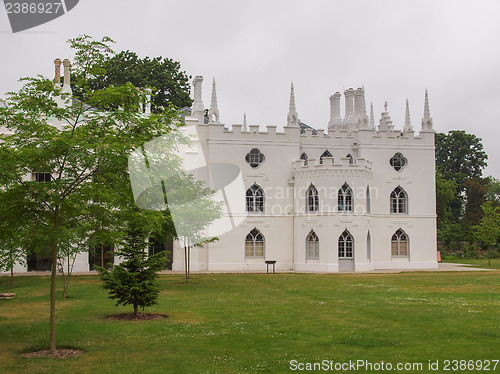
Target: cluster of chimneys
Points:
(57, 79)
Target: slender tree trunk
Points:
(185, 261)
(102, 255)
(136, 310)
(53, 284)
(12, 277)
(189, 260)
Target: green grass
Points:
(476, 262)
(235, 323)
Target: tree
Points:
(68, 144)
(133, 281)
(445, 193)
(170, 85)
(488, 230)
(475, 191)
(493, 191)
(460, 156)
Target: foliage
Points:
(445, 193)
(133, 281)
(74, 143)
(460, 156)
(460, 189)
(170, 85)
(475, 192)
(493, 191)
(488, 230)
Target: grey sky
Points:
(254, 49)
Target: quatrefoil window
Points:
(255, 158)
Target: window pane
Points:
(259, 249)
(259, 204)
(249, 249)
(403, 248)
(394, 248)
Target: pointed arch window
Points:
(351, 159)
(312, 199)
(312, 245)
(254, 244)
(369, 246)
(399, 201)
(368, 201)
(325, 154)
(304, 157)
(399, 244)
(398, 161)
(346, 245)
(255, 199)
(345, 199)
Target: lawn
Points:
(234, 323)
(476, 262)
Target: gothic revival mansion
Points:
(359, 198)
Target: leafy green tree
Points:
(488, 230)
(72, 143)
(460, 156)
(169, 85)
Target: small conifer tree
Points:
(134, 280)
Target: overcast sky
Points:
(254, 49)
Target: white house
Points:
(359, 197)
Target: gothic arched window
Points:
(345, 198)
(255, 199)
(254, 244)
(312, 199)
(399, 201)
(399, 244)
(325, 154)
(312, 245)
(304, 157)
(346, 247)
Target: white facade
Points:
(377, 232)
(359, 198)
